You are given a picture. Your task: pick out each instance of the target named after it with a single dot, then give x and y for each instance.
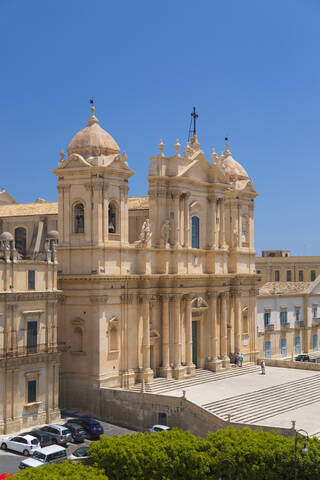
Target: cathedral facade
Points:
(157, 285)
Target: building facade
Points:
(160, 290)
(279, 266)
(29, 353)
(289, 318)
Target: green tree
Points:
(64, 471)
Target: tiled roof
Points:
(283, 288)
(51, 208)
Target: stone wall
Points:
(141, 410)
(272, 362)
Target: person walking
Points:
(236, 359)
(240, 360)
(263, 367)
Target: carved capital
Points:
(126, 299)
(99, 299)
(212, 294)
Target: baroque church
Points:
(146, 286)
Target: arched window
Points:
(112, 218)
(195, 232)
(77, 340)
(20, 238)
(78, 218)
(113, 339)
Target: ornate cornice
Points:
(99, 299)
(27, 296)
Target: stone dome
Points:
(53, 235)
(6, 236)
(93, 140)
(232, 168)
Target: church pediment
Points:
(202, 170)
(75, 161)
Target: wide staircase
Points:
(163, 385)
(265, 403)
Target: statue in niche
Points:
(235, 238)
(198, 302)
(165, 232)
(145, 234)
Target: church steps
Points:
(260, 405)
(163, 385)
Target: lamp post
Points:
(231, 468)
(304, 450)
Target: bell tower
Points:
(92, 199)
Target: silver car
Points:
(60, 434)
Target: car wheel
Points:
(4, 446)
(26, 453)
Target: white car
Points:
(45, 456)
(23, 444)
(159, 428)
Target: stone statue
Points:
(145, 234)
(235, 238)
(165, 232)
(198, 302)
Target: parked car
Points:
(159, 428)
(81, 455)
(44, 456)
(60, 434)
(24, 444)
(92, 427)
(78, 433)
(302, 358)
(44, 439)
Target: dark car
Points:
(78, 433)
(302, 358)
(44, 439)
(93, 428)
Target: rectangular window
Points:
(283, 317)
(32, 337)
(32, 391)
(312, 275)
(266, 317)
(277, 276)
(289, 276)
(31, 280)
(300, 276)
(315, 311)
(297, 314)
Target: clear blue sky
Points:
(251, 68)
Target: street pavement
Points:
(9, 461)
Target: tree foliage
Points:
(178, 455)
(61, 471)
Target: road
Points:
(9, 461)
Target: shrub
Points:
(64, 471)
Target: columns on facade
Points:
(212, 221)
(186, 220)
(224, 331)
(237, 321)
(222, 233)
(176, 217)
(147, 373)
(188, 331)
(178, 370)
(252, 316)
(214, 363)
(165, 369)
(251, 226)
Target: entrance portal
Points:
(195, 343)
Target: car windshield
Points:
(34, 441)
(39, 456)
(81, 452)
(65, 432)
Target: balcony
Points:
(316, 322)
(33, 350)
(269, 327)
(300, 323)
(285, 326)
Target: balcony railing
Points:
(316, 321)
(269, 327)
(32, 350)
(285, 325)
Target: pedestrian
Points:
(263, 367)
(236, 359)
(241, 359)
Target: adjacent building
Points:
(279, 266)
(29, 353)
(289, 318)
